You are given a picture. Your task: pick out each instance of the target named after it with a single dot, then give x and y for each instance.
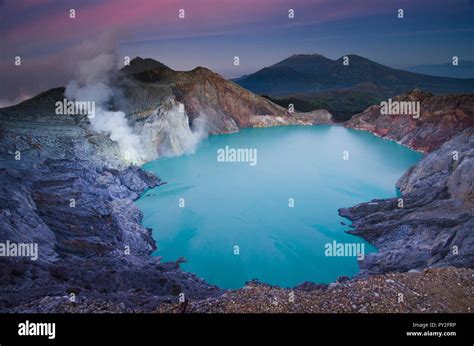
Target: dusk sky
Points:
(214, 31)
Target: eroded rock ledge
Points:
(96, 250)
(434, 226)
(441, 118)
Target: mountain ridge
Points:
(314, 72)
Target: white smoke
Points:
(184, 139)
(92, 84)
(170, 127)
(200, 131)
(167, 133)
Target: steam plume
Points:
(92, 84)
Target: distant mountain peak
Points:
(138, 65)
(304, 58)
(313, 55)
(355, 57)
(303, 73)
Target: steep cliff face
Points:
(221, 105)
(89, 239)
(317, 117)
(431, 225)
(225, 106)
(441, 118)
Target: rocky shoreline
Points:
(412, 292)
(431, 225)
(67, 188)
(94, 251)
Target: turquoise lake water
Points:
(237, 223)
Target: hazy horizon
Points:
(212, 32)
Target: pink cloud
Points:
(133, 16)
(49, 42)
